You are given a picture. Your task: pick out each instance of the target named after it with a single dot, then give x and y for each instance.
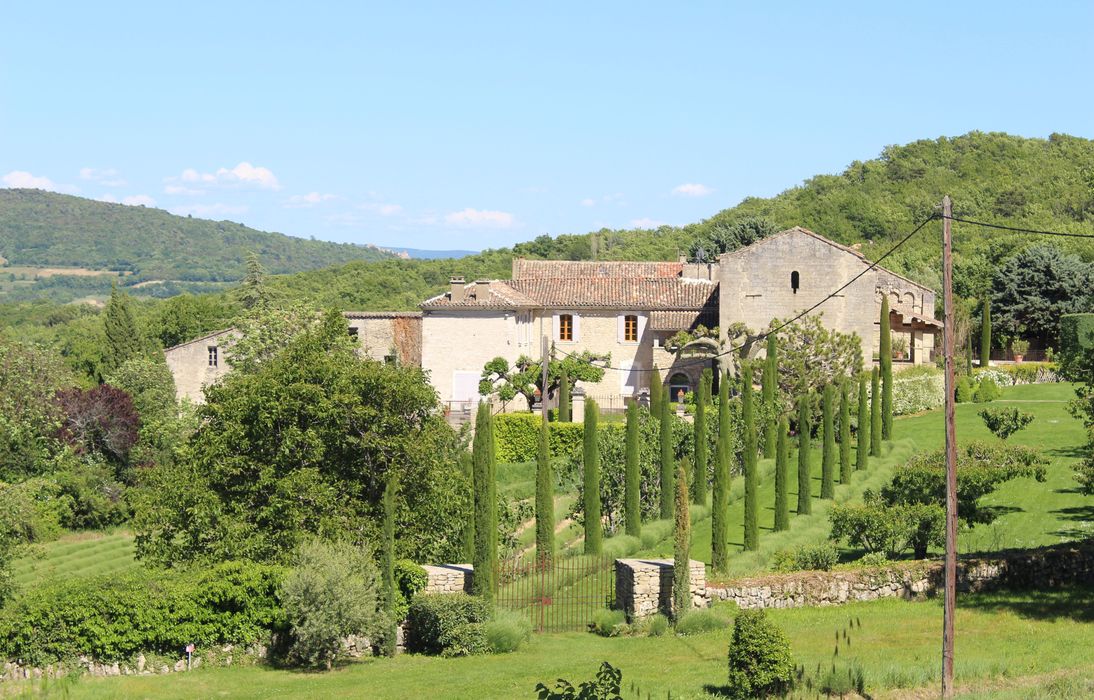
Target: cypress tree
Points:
(681, 574)
(699, 478)
(862, 454)
(668, 461)
(657, 390)
(563, 415)
(632, 495)
(486, 506)
(805, 477)
(968, 357)
(886, 354)
(770, 386)
(748, 460)
(468, 548)
(545, 496)
(123, 340)
(828, 448)
(719, 512)
(594, 530)
(875, 413)
(252, 290)
(782, 501)
(387, 566)
(985, 333)
(844, 433)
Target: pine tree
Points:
(387, 565)
(681, 573)
(985, 333)
(252, 290)
(748, 461)
(875, 413)
(632, 495)
(862, 454)
(782, 501)
(805, 476)
(563, 414)
(486, 506)
(828, 447)
(719, 513)
(545, 496)
(844, 433)
(770, 384)
(886, 354)
(668, 460)
(699, 478)
(123, 339)
(657, 391)
(594, 529)
(468, 549)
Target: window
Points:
(566, 327)
(630, 329)
(679, 386)
(795, 280)
(353, 331)
(213, 356)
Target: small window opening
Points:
(353, 331)
(795, 280)
(213, 359)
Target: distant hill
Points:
(45, 229)
(420, 254)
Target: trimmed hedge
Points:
(114, 617)
(449, 624)
(516, 436)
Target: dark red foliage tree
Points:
(100, 420)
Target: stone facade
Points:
(199, 363)
(643, 587)
(1046, 567)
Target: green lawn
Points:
(77, 554)
(1001, 638)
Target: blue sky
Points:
(471, 125)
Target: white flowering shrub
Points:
(918, 392)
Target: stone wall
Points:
(449, 578)
(1046, 567)
(643, 587)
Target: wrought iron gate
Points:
(559, 594)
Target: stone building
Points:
(385, 336)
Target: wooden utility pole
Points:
(544, 362)
(951, 453)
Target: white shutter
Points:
(555, 327)
(620, 328)
(577, 328)
(641, 326)
(628, 378)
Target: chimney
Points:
(456, 291)
(683, 259)
(482, 289)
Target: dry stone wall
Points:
(448, 578)
(643, 587)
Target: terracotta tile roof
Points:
(620, 293)
(683, 320)
(492, 294)
(382, 314)
(567, 269)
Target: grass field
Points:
(76, 554)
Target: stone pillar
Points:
(448, 578)
(577, 403)
(643, 587)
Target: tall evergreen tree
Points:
(828, 448)
(886, 356)
(563, 415)
(844, 433)
(782, 500)
(748, 461)
(387, 566)
(483, 583)
(545, 496)
(657, 391)
(719, 512)
(681, 573)
(985, 333)
(770, 386)
(252, 290)
(594, 529)
(632, 486)
(875, 413)
(467, 463)
(805, 476)
(862, 454)
(699, 478)
(123, 339)
(668, 460)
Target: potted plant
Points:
(1018, 348)
(900, 347)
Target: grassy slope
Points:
(77, 554)
(1000, 637)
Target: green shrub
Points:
(507, 631)
(872, 559)
(466, 639)
(656, 625)
(432, 620)
(963, 392)
(609, 623)
(606, 686)
(517, 434)
(918, 390)
(759, 658)
(1004, 422)
(815, 557)
(987, 390)
(1076, 339)
(117, 616)
(409, 580)
(700, 621)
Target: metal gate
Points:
(560, 594)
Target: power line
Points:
(1018, 229)
(764, 335)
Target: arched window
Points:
(795, 280)
(679, 386)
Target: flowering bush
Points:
(918, 392)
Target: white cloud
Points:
(108, 177)
(691, 189)
(135, 200)
(615, 198)
(646, 223)
(243, 174)
(308, 200)
(180, 189)
(480, 218)
(210, 210)
(382, 209)
(588, 202)
(23, 179)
